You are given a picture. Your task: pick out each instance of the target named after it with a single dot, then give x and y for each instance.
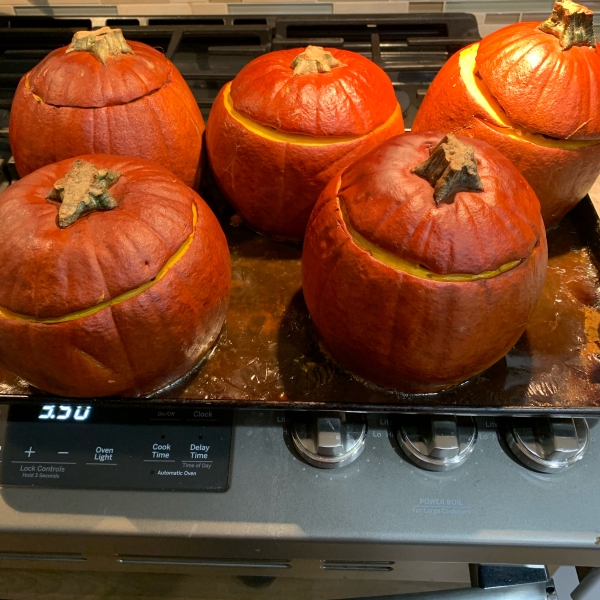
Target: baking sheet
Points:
(268, 354)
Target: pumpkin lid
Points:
(452, 205)
(51, 269)
(315, 91)
(547, 76)
(98, 69)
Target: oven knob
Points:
(329, 440)
(547, 444)
(436, 442)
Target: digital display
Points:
(64, 412)
(76, 443)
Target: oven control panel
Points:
(57, 443)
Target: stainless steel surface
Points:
(551, 594)
(329, 440)
(589, 588)
(369, 519)
(532, 591)
(488, 576)
(437, 442)
(548, 444)
(493, 582)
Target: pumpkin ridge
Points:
(510, 127)
(92, 242)
(123, 297)
(138, 221)
(186, 108)
(301, 139)
(188, 291)
(166, 148)
(529, 46)
(124, 348)
(420, 271)
(334, 258)
(142, 97)
(341, 84)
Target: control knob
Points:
(437, 442)
(329, 440)
(547, 444)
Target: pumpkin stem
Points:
(102, 43)
(314, 60)
(450, 168)
(572, 24)
(82, 190)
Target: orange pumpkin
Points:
(287, 123)
(531, 90)
(102, 94)
(423, 261)
(115, 277)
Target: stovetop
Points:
(131, 488)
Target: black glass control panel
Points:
(68, 444)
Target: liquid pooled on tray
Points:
(268, 352)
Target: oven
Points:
(269, 464)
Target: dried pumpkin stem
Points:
(82, 190)
(572, 24)
(102, 43)
(314, 60)
(450, 168)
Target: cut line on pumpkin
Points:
(500, 121)
(298, 139)
(40, 100)
(88, 312)
(412, 268)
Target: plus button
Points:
(30, 452)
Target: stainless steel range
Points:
(231, 472)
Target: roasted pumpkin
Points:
(102, 94)
(531, 90)
(115, 277)
(287, 123)
(423, 261)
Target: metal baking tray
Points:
(268, 354)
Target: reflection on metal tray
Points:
(268, 354)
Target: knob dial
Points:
(436, 442)
(547, 444)
(329, 440)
